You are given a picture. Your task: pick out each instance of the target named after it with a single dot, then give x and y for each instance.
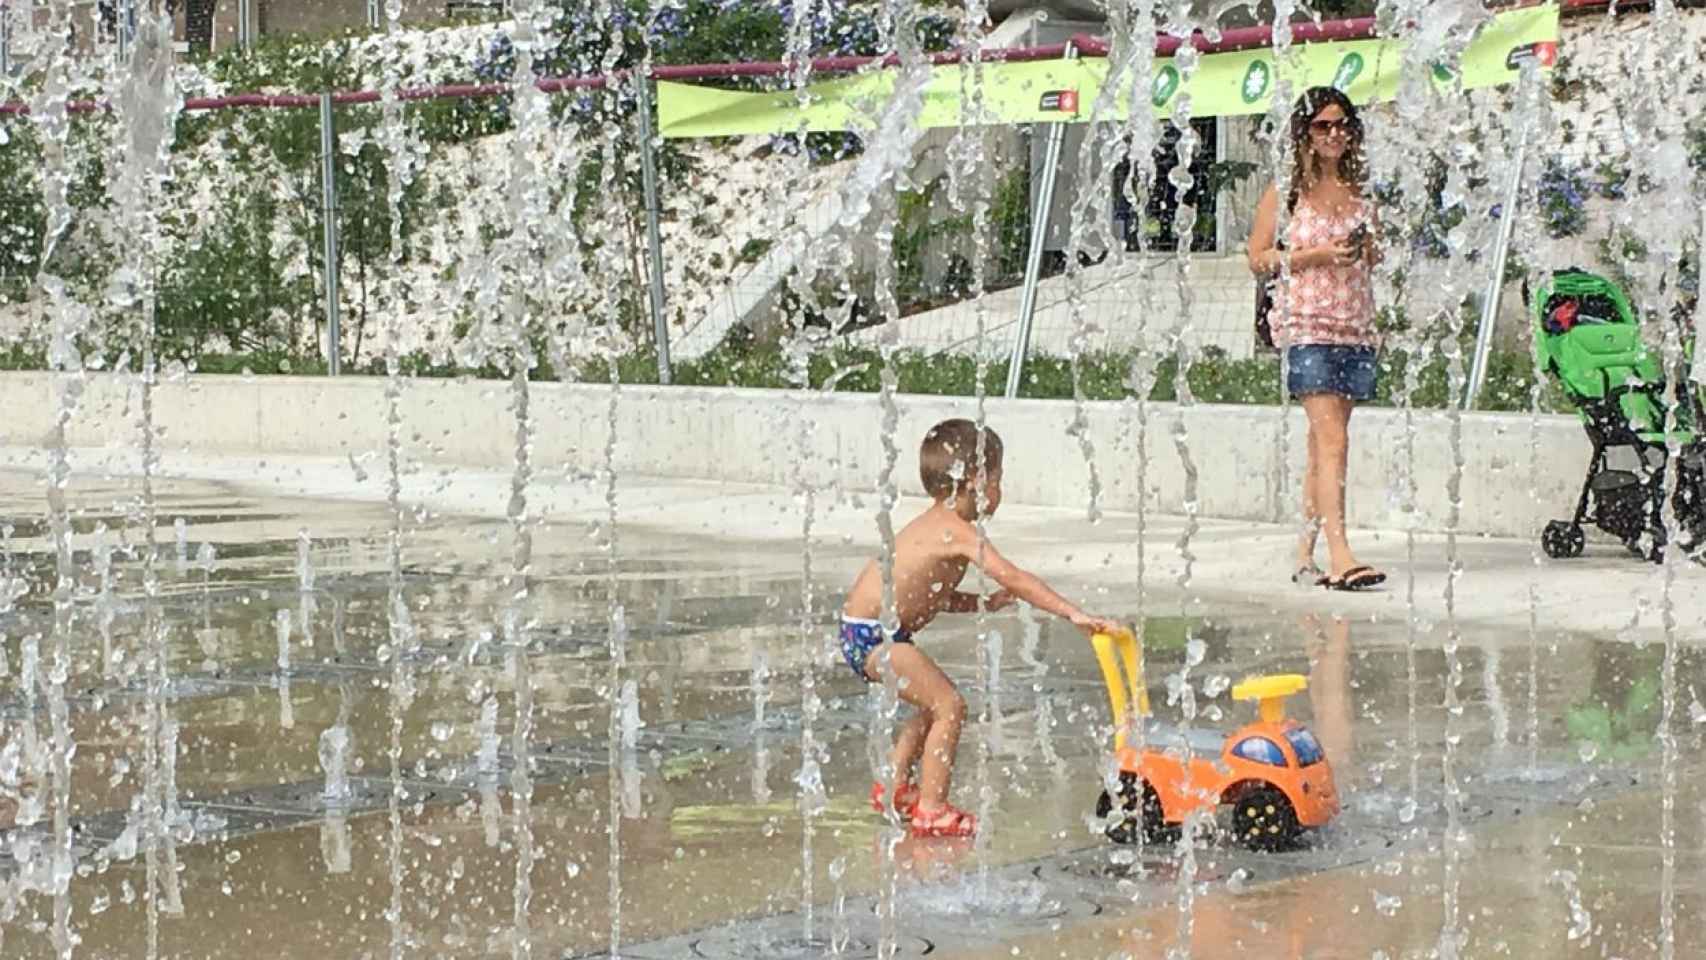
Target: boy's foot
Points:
(905, 798)
(945, 821)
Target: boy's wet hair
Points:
(947, 460)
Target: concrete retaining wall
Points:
(750, 436)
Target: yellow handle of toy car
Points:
(1270, 692)
(1111, 650)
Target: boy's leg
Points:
(943, 711)
(909, 745)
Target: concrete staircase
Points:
(1121, 305)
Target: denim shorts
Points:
(1331, 368)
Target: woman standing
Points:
(1324, 318)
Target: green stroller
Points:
(1586, 334)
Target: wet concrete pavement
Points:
(712, 852)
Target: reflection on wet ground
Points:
(1560, 836)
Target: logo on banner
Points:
(1544, 52)
(1059, 101)
(1166, 84)
(1256, 81)
(1348, 70)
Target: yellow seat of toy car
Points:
(1270, 693)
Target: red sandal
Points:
(905, 798)
(949, 821)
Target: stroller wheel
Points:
(1561, 540)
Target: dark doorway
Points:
(1154, 230)
(198, 25)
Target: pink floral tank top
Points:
(1327, 304)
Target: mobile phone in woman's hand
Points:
(1358, 238)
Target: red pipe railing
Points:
(1250, 38)
(776, 68)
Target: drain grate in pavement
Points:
(743, 946)
(1100, 866)
(305, 798)
(1008, 900)
(773, 938)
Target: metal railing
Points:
(656, 299)
(656, 296)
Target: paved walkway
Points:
(1502, 583)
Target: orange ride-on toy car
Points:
(1272, 773)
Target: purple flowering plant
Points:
(1562, 196)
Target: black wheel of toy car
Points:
(1263, 819)
(1141, 809)
(1561, 540)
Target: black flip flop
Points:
(1356, 578)
(1309, 574)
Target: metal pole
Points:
(125, 27)
(1501, 248)
(5, 39)
(1697, 372)
(1034, 258)
(373, 14)
(1220, 205)
(245, 24)
(329, 181)
(654, 234)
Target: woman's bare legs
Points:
(1311, 514)
(1329, 647)
(1329, 416)
(941, 714)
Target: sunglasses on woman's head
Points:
(1327, 128)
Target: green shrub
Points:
(1215, 378)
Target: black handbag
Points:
(1265, 304)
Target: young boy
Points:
(930, 558)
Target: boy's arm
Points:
(962, 602)
(1025, 585)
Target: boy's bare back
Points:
(930, 558)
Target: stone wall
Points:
(1246, 459)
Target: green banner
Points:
(1056, 91)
